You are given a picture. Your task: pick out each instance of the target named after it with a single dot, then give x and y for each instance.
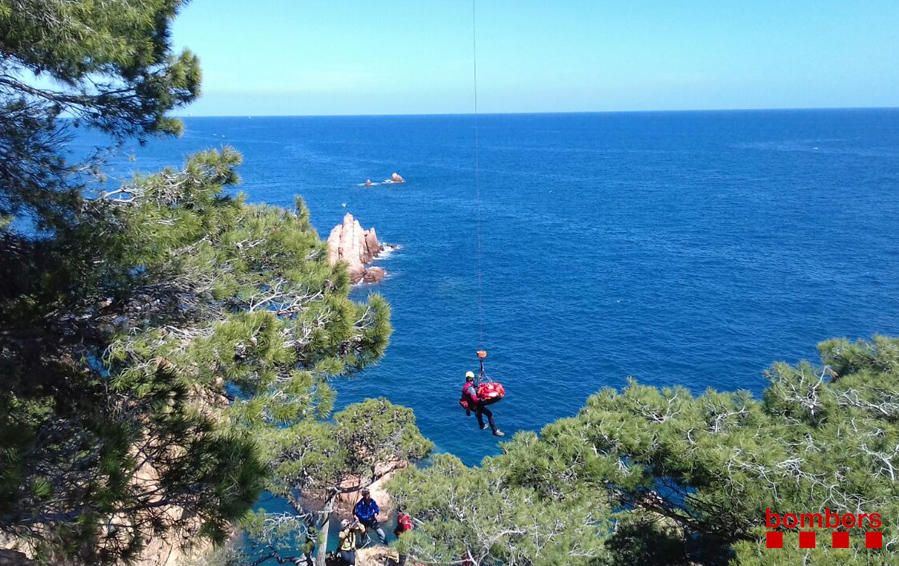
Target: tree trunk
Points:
(324, 523)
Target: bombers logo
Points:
(870, 522)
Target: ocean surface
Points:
(691, 248)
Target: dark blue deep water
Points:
(690, 248)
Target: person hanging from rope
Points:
(472, 402)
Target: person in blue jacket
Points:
(366, 510)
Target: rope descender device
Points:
(482, 355)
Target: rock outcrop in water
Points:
(357, 247)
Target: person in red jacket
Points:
(403, 524)
(470, 396)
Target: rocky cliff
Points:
(357, 247)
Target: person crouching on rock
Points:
(403, 524)
(347, 539)
(366, 510)
(470, 394)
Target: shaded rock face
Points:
(357, 247)
(169, 548)
(371, 247)
(9, 557)
(175, 548)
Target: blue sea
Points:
(691, 248)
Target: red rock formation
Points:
(356, 247)
(372, 248)
(374, 274)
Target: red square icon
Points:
(839, 539)
(807, 539)
(774, 539)
(874, 539)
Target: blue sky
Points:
(289, 57)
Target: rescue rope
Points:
(477, 171)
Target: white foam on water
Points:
(388, 251)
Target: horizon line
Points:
(547, 113)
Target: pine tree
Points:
(152, 336)
(312, 463)
(689, 478)
(477, 517)
(70, 64)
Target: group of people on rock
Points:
(365, 518)
(365, 512)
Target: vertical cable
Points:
(477, 165)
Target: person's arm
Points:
(375, 508)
